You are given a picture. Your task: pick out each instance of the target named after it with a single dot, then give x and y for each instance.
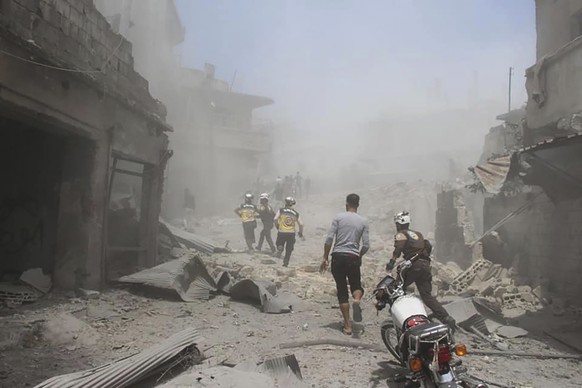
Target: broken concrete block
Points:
(246, 271)
(88, 294)
(312, 268)
(499, 292)
(268, 261)
(528, 297)
(487, 287)
(524, 289)
(37, 279)
(288, 272)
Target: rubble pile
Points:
(490, 281)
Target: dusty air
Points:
(291, 193)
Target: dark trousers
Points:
(346, 270)
(249, 232)
(420, 275)
(287, 241)
(266, 235)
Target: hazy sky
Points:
(328, 61)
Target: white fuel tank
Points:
(405, 307)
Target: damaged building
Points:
(219, 143)
(84, 146)
(220, 147)
(530, 171)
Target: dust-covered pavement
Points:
(63, 334)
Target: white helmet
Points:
(264, 196)
(290, 201)
(402, 218)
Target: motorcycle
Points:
(424, 347)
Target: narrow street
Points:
(61, 334)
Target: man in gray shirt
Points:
(348, 229)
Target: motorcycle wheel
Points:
(390, 338)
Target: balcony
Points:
(255, 137)
(554, 86)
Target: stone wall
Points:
(75, 35)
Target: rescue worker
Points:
(416, 251)
(287, 222)
(266, 213)
(248, 215)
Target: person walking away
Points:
(267, 214)
(287, 222)
(416, 251)
(248, 215)
(348, 229)
(189, 206)
(278, 192)
(299, 185)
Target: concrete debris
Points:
(221, 376)
(88, 294)
(65, 329)
(250, 290)
(312, 268)
(288, 272)
(17, 294)
(177, 351)
(476, 272)
(494, 283)
(37, 279)
(511, 332)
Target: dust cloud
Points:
(364, 93)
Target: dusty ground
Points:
(62, 334)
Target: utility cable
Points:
(64, 68)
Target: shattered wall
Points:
(454, 228)
(96, 105)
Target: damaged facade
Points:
(219, 144)
(84, 146)
(220, 148)
(532, 184)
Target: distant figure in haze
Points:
(189, 207)
(248, 215)
(298, 185)
(287, 222)
(278, 192)
(267, 214)
(348, 229)
(307, 186)
(288, 186)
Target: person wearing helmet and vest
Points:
(248, 215)
(287, 222)
(416, 251)
(266, 213)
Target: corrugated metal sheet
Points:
(130, 370)
(248, 289)
(556, 141)
(188, 276)
(190, 240)
(493, 174)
